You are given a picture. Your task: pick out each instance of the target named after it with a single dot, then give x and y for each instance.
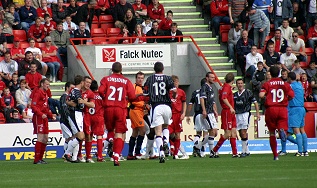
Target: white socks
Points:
(159, 145)
(166, 134)
(211, 142)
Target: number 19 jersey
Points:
(114, 89)
(277, 92)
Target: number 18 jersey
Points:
(277, 93)
(114, 89)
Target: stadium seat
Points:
(9, 45)
(310, 106)
(19, 35)
(1, 58)
(98, 40)
(105, 26)
(308, 59)
(89, 43)
(66, 4)
(2, 118)
(93, 26)
(303, 65)
(105, 19)
(113, 32)
(309, 51)
(80, 3)
(95, 20)
(224, 37)
(261, 51)
(302, 37)
(98, 32)
(40, 44)
(24, 45)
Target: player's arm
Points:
(184, 110)
(214, 106)
(263, 91)
(256, 105)
(90, 104)
(189, 109)
(203, 107)
(226, 102)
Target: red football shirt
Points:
(177, 104)
(136, 8)
(165, 24)
(49, 27)
(277, 93)
(36, 32)
(15, 50)
(33, 80)
(226, 93)
(49, 50)
(2, 85)
(98, 104)
(89, 95)
(114, 89)
(41, 12)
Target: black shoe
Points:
(216, 156)
(235, 156)
(162, 159)
(109, 150)
(76, 161)
(197, 151)
(166, 149)
(212, 154)
(38, 162)
(43, 162)
(68, 157)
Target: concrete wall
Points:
(189, 68)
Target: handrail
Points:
(130, 40)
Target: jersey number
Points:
(159, 88)
(198, 98)
(113, 91)
(278, 95)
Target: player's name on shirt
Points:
(278, 82)
(121, 80)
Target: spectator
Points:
(112, 5)
(37, 31)
(130, 21)
(298, 19)
(120, 11)
(7, 68)
(3, 42)
(5, 4)
(82, 32)
(286, 30)
(50, 58)
(140, 36)
(33, 78)
(298, 47)
(166, 23)
(257, 79)
(243, 47)
(308, 97)
(233, 37)
(314, 55)
(173, 31)
(279, 41)
(60, 38)
(261, 26)
(219, 14)
(154, 32)
(252, 60)
(155, 11)
(24, 66)
(264, 5)
(102, 7)
(27, 115)
(59, 12)
(7, 29)
(37, 54)
(15, 117)
(69, 26)
(312, 35)
(287, 59)
(313, 84)
(17, 53)
(235, 8)
(7, 102)
(283, 73)
(297, 69)
(44, 9)
(86, 13)
(124, 34)
(27, 15)
(311, 15)
(12, 17)
(72, 10)
(54, 104)
(282, 9)
(22, 96)
(140, 11)
(2, 86)
(49, 25)
(14, 84)
(270, 57)
(311, 71)
(147, 25)
(36, 3)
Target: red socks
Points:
(99, 147)
(219, 143)
(37, 151)
(233, 146)
(88, 146)
(273, 145)
(80, 147)
(118, 145)
(177, 144)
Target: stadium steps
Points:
(57, 89)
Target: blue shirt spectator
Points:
(27, 15)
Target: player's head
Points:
(275, 71)
(45, 84)
(94, 85)
(68, 86)
(210, 77)
(175, 80)
(203, 81)
(87, 82)
(116, 68)
(78, 81)
(229, 78)
(240, 84)
(158, 67)
(291, 76)
(139, 78)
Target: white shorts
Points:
(76, 122)
(199, 122)
(66, 130)
(210, 122)
(147, 124)
(161, 114)
(243, 120)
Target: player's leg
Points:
(132, 143)
(225, 124)
(304, 138)
(159, 142)
(88, 139)
(165, 137)
(272, 117)
(40, 130)
(177, 144)
(139, 141)
(299, 140)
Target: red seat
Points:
(80, 3)
(113, 32)
(310, 106)
(2, 118)
(98, 40)
(224, 28)
(93, 26)
(9, 45)
(24, 45)
(272, 27)
(224, 37)
(40, 44)
(95, 20)
(105, 19)
(308, 59)
(98, 32)
(19, 35)
(309, 51)
(1, 58)
(66, 4)
(89, 43)
(303, 65)
(302, 37)
(105, 26)
(261, 51)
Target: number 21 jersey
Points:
(277, 93)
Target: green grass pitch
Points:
(253, 171)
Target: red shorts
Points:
(115, 119)
(40, 125)
(136, 117)
(87, 123)
(228, 120)
(176, 126)
(98, 125)
(276, 118)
